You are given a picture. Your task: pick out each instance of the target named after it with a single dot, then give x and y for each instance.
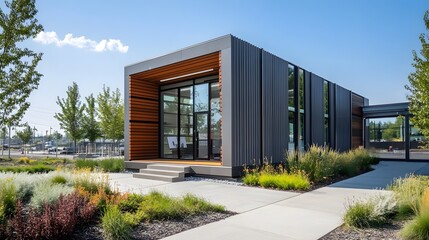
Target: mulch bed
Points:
(153, 230)
(386, 232)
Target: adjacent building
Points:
(225, 103)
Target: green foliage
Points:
(197, 205)
(91, 126)
(71, 115)
(112, 165)
(284, 181)
(132, 203)
(408, 192)
(114, 224)
(106, 165)
(251, 179)
(58, 179)
(30, 169)
(86, 163)
(375, 212)
(419, 84)
(111, 113)
(18, 74)
(91, 182)
(8, 196)
(25, 135)
(47, 192)
(417, 229)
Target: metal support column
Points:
(407, 137)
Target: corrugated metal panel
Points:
(246, 102)
(331, 114)
(274, 106)
(317, 110)
(343, 116)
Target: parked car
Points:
(54, 149)
(67, 150)
(5, 146)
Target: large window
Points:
(301, 107)
(191, 121)
(326, 110)
(291, 105)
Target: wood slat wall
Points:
(144, 119)
(357, 121)
(144, 101)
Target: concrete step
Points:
(169, 167)
(158, 177)
(163, 172)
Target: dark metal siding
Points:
(274, 107)
(317, 110)
(343, 116)
(331, 115)
(246, 102)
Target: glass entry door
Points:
(201, 135)
(191, 119)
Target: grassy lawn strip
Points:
(408, 202)
(283, 181)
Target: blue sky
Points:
(364, 45)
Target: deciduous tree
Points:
(25, 135)
(71, 115)
(419, 84)
(18, 74)
(111, 113)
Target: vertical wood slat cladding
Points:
(220, 103)
(144, 119)
(357, 120)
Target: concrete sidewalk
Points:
(268, 214)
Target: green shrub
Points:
(114, 224)
(196, 205)
(417, 229)
(251, 179)
(30, 169)
(86, 163)
(46, 192)
(58, 179)
(8, 196)
(112, 165)
(284, 181)
(372, 213)
(408, 193)
(132, 203)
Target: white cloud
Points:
(81, 42)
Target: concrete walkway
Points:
(268, 214)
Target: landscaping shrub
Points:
(86, 163)
(59, 179)
(90, 181)
(8, 196)
(251, 179)
(45, 192)
(56, 221)
(112, 165)
(408, 192)
(417, 229)
(114, 224)
(196, 205)
(30, 169)
(131, 203)
(284, 181)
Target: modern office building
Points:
(224, 103)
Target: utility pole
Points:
(9, 142)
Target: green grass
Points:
(8, 197)
(106, 165)
(86, 163)
(417, 229)
(112, 165)
(58, 179)
(284, 181)
(408, 192)
(115, 226)
(30, 168)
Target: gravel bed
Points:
(387, 232)
(214, 180)
(153, 230)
